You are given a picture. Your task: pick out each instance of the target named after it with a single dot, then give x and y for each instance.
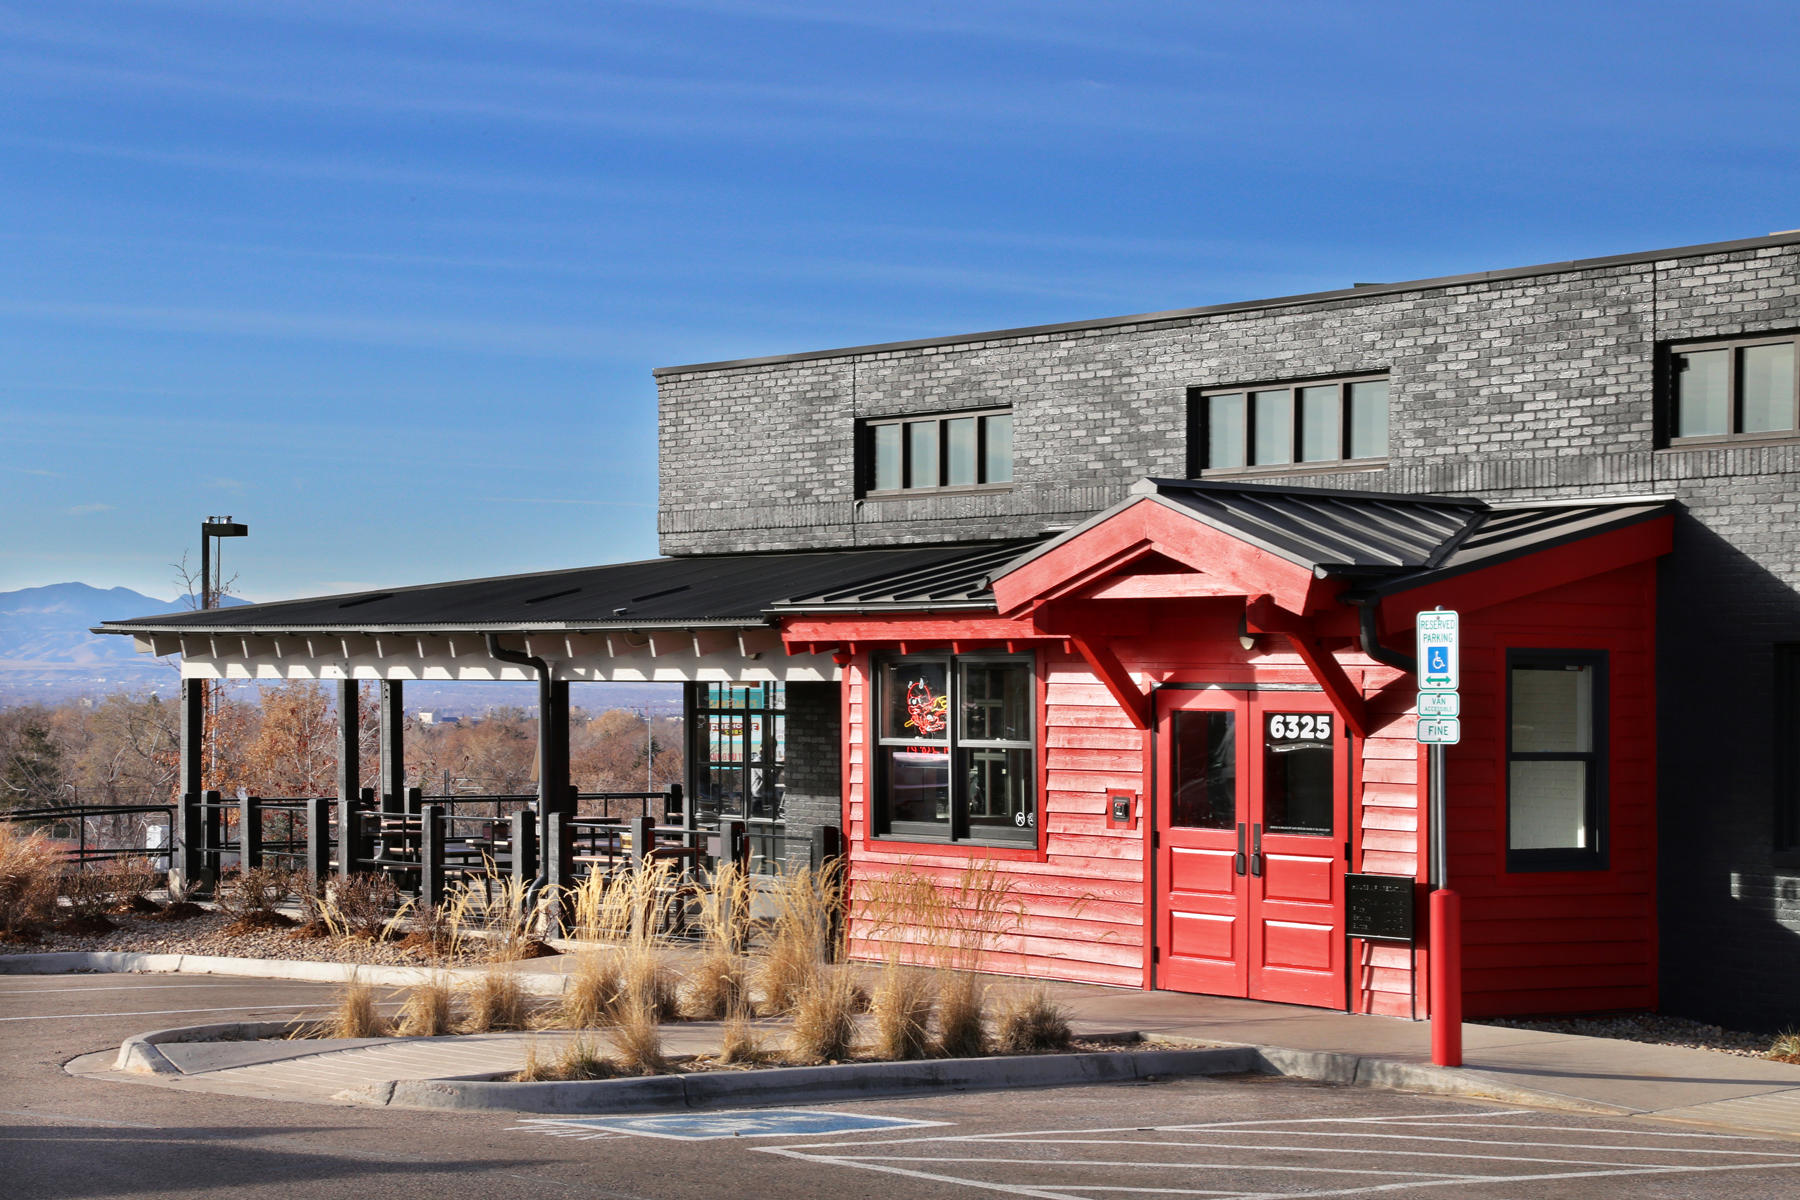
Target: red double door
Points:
(1251, 816)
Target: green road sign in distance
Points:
(1437, 645)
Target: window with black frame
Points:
(964, 451)
(1288, 425)
(1556, 703)
(1737, 388)
(737, 761)
(956, 749)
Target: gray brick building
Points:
(1544, 383)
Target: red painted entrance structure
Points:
(1216, 653)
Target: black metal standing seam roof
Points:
(718, 590)
(1385, 541)
(957, 583)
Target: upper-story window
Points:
(1744, 387)
(1280, 425)
(938, 452)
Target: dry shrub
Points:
(901, 1007)
(29, 867)
(824, 1019)
(961, 1016)
(1031, 1022)
(804, 935)
(496, 1001)
(950, 923)
(130, 880)
(591, 995)
(535, 1070)
(637, 1040)
(86, 894)
(1786, 1047)
(428, 1011)
(366, 907)
(252, 899)
(433, 932)
(355, 1015)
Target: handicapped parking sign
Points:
(1438, 632)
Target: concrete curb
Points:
(537, 983)
(811, 1085)
(138, 1055)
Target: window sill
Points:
(1336, 467)
(974, 489)
(1017, 851)
(1728, 441)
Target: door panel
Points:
(1251, 814)
(1200, 927)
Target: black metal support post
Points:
(674, 810)
(524, 847)
(393, 765)
(250, 833)
(734, 844)
(191, 827)
(431, 854)
(318, 841)
(349, 714)
(212, 838)
(355, 845)
(559, 870)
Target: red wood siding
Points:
(1559, 941)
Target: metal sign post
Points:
(1440, 673)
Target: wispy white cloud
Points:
(236, 486)
(84, 510)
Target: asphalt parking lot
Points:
(67, 1137)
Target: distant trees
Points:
(127, 749)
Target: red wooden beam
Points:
(1263, 615)
(1111, 672)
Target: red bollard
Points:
(1446, 978)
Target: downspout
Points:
(519, 658)
(1367, 607)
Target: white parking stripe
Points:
(148, 987)
(1468, 1180)
(1196, 1166)
(1636, 1133)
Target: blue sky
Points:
(386, 281)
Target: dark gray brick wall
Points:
(814, 765)
(1540, 386)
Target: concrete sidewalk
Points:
(1518, 1066)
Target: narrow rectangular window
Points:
(997, 448)
(1556, 760)
(1226, 429)
(889, 458)
(1369, 419)
(1321, 421)
(922, 455)
(1273, 412)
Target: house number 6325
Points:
(1299, 725)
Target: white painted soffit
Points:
(634, 656)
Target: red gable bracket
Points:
(1263, 617)
(1112, 673)
(1149, 526)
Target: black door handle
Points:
(1256, 857)
(1237, 860)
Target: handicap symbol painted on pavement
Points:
(703, 1126)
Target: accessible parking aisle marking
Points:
(695, 1127)
(1265, 1149)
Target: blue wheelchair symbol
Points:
(1437, 659)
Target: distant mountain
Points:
(45, 629)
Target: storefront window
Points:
(1556, 734)
(956, 749)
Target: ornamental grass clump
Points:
(717, 984)
(591, 996)
(637, 1040)
(804, 936)
(901, 1011)
(961, 1016)
(354, 1014)
(495, 1001)
(824, 1012)
(1031, 1022)
(739, 1043)
(1786, 1047)
(429, 1010)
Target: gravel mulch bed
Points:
(1653, 1028)
(206, 935)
